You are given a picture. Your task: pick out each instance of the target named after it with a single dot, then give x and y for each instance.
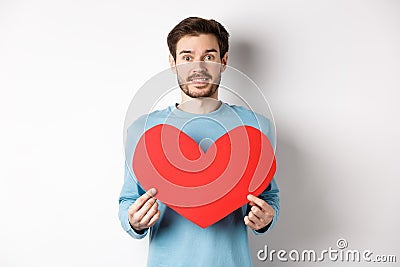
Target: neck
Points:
(201, 105)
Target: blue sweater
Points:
(174, 240)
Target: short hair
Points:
(195, 26)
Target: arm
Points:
(138, 210)
(267, 203)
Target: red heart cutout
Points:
(204, 187)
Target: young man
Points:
(174, 240)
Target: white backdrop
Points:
(69, 69)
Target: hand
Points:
(260, 215)
(144, 212)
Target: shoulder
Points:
(144, 122)
(251, 118)
(147, 121)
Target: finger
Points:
(154, 219)
(138, 215)
(144, 198)
(249, 223)
(152, 211)
(258, 201)
(253, 218)
(258, 212)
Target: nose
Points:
(199, 66)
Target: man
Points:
(174, 240)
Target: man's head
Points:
(194, 26)
(204, 44)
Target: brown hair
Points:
(196, 26)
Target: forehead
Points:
(197, 43)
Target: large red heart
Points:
(204, 187)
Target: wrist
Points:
(138, 231)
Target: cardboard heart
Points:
(201, 186)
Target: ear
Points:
(224, 62)
(172, 63)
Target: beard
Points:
(206, 89)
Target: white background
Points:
(69, 69)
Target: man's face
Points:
(202, 75)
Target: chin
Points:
(205, 91)
(196, 92)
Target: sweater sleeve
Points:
(131, 189)
(271, 196)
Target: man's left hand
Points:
(260, 215)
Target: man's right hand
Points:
(144, 212)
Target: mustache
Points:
(201, 74)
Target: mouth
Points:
(201, 80)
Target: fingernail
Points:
(152, 192)
(249, 197)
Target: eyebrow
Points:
(185, 52)
(211, 50)
(190, 51)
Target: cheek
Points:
(214, 68)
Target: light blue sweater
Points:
(174, 240)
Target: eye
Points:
(209, 57)
(186, 58)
